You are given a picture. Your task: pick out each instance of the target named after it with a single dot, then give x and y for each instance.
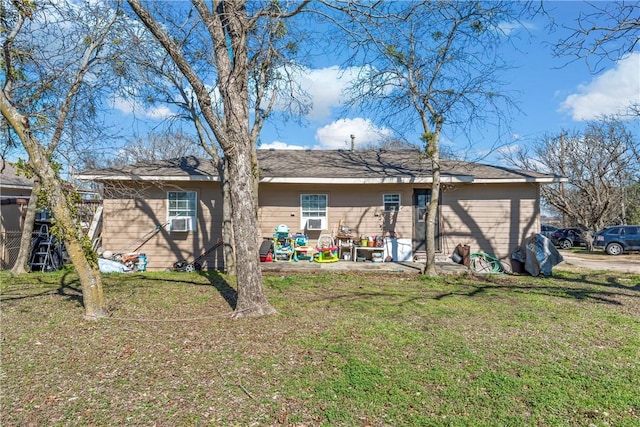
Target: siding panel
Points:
(487, 219)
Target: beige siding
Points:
(357, 206)
(131, 221)
(490, 218)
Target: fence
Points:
(9, 248)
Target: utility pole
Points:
(353, 144)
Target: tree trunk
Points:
(251, 299)
(89, 275)
(21, 267)
(227, 221)
(432, 208)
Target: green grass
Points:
(354, 349)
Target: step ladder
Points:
(46, 254)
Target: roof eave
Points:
(535, 180)
(156, 178)
(386, 180)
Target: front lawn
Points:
(346, 349)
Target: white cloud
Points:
(128, 107)
(337, 135)
(325, 87)
(608, 94)
(278, 145)
(508, 28)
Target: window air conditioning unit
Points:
(314, 224)
(180, 224)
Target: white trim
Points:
(459, 179)
(545, 180)
(396, 180)
(147, 178)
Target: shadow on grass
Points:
(71, 289)
(603, 289)
(586, 288)
(214, 279)
(227, 292)
(67, 286)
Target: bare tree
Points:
(602, 168)
(156, 146)
(431, 66)
(270, 78)
(55, 60)
(228, 26)
(606, 31)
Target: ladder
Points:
(46, 251)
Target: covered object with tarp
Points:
(538, 255)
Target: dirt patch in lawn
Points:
(591, 260)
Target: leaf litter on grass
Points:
(422, 347)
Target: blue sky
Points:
(552, 95)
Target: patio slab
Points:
(398, 267)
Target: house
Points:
(171, 210)
(15, 191)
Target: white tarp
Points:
(110, 266)
(398, 249)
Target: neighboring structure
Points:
(15, 191)
(172, 210)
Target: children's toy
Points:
(326, 250)
(282, 244)
(300, 249)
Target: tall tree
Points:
(601, 165)
(270, 45)
(228, 26)
(431, 66)
(55, 61)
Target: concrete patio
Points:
(443, 267)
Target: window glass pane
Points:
(391, 202)
(182, 203)
(313, 205)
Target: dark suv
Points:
(618, 239)
(566, 238)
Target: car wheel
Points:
(614, 249)
(565, 244)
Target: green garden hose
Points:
(484, 263)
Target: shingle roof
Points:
(332, 166)
(9, 177)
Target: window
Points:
(391, 202)
(313, 208)
(614, 231)
(422, 200)
(181, 212)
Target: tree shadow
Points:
(227, 292)
(70, 289)
(608, 290)
(215, 279)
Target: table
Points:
(368, 251)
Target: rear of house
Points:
(173, 210)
